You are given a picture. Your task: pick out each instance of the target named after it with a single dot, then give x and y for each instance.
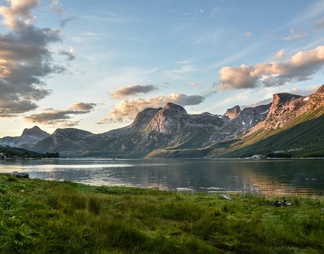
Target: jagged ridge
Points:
(171, 131)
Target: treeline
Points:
(18, 153)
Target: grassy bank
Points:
(39, 216)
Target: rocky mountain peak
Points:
(286, 107)
(144, 117)
(283, 98)
(169, 119)
(233, 112)
(36, 132)
(282, 102)
(320, 90)
(175, 107)
(28, 138)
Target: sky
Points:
(93, 65)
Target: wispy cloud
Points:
(132, 90)
(56, 7)
(126, 110)
(65, 21)
(247, 34)
(183, 69)
(61, 117)
(68, 54)
(306, 91)
(294, 35)
(320, 23)
(281, 54)
(299, 67)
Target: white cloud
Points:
(299, 67)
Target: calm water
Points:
(269, 177)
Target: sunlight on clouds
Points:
(61, 117)
(55, 7)
(69, 54)
(300, 67)
(126, 110)
(281, 54)
(25, 59)
(306, 91)
(18, 15)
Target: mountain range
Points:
(292, 125)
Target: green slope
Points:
(302, 137)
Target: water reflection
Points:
(270, 177)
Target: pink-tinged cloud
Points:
(299, 67)
(18, 15)
(61, 117)
(127, 109)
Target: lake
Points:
(298, 176)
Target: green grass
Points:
(38, 216)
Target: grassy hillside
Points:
(39, 216)
(302, 137)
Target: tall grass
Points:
(62, 217)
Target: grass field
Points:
(38, 216)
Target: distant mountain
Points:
(69, 142)
(170, 128)
(27, 140)
(292, 125)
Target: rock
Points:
(226, 197)
(20, 175)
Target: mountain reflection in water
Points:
(300, 176)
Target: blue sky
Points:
(94, 65)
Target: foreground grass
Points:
(39, 216)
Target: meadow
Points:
(38, 216)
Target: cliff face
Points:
(143, 118)
(286, 107)
(168, 120)
(232, 113)
(252, 115)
